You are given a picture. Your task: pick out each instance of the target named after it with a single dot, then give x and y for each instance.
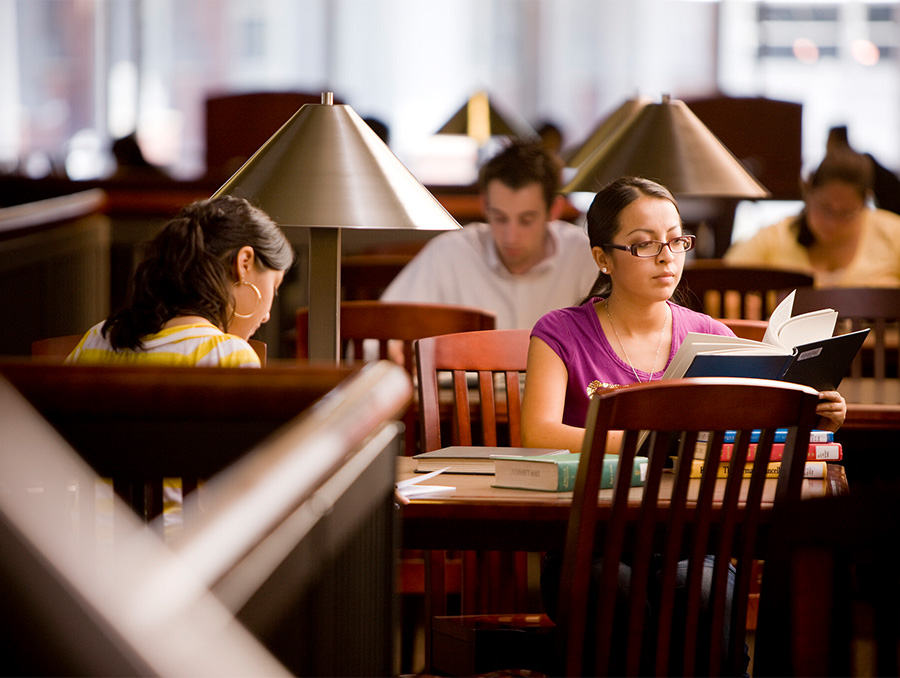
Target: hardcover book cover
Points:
(799, 349)
(556, 473)
(473, 458)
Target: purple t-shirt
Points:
(575, 335)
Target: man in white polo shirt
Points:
(521, 263)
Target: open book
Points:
(799, 349)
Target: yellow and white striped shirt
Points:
(198, 345)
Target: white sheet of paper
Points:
(410, 487)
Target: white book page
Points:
(788, 332)
(808, 327)
(779, 317)
(743, 350)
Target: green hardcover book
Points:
(555, 473)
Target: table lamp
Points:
(480, 119)
(325, 169)
(668, 143)
(621, 115)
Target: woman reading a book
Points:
(627, 330)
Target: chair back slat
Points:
(678, 517)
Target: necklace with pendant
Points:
(622, 346)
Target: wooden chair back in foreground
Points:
(723, 290)
(60, 347)
(401, 322)
(831, 590)
(491, 354)
(877, 308)
(677, 518)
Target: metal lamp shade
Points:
(325, 167)
(607, 126)
(480, 119)
(667, 142)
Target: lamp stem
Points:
(328, 98)
(324, 294)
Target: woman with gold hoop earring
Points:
(205, 286)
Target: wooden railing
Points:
(288, 538)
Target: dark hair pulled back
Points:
(188, 267)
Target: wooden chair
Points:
(490, 581)
(692, 520)
(723, 290)
(604, 630)
(487, 354)
(831, 590)
(386, 322)
(60, 347)
(877, 308)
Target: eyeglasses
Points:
(650, 248)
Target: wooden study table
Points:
(872, 404)
(480, 517)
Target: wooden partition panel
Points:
(139, 425)
(54, 268)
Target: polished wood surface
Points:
(478, 516)
(872, 404)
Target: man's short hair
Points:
(520, 163)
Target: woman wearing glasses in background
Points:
(837, 237)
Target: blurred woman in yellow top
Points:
(205, 286)
(838, 237)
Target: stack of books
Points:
(820, 450)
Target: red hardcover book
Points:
(815, 452)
